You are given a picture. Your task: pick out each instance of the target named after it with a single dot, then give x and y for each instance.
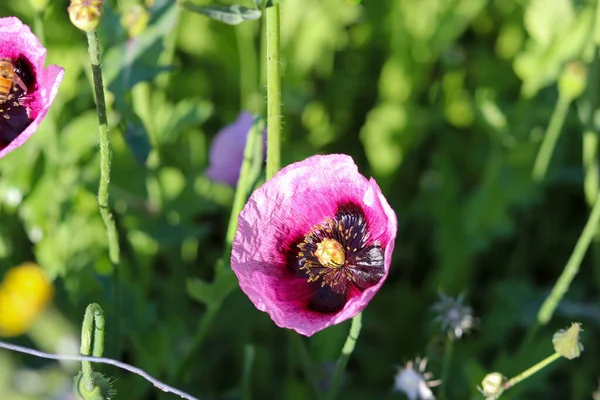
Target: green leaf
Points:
(212, 294)
(134, 132)
(231, 15)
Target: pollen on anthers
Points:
(325, 251)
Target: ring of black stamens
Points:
(363, 266)
(14, 115)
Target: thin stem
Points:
(590, 137)
(550, 138)
(111, 230)
(347, 350)
(105, 155)
(448, 350)
(92, 335)
(528, 372)
(590, 140)
(99, 360)
(273, 92)
(306, 364)
(572, 266)
(201, 332)
(249, 354)
(38, 26)
(248, 66)
(249, 172)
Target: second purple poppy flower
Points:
(314, 244)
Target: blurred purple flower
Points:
(28, 89)
(314, 244)
(227, 150)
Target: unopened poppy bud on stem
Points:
(492, 385)
(85, 14)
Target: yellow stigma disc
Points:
(330, 253)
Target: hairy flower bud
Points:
(85, 14)
(492, 385)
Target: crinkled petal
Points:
(284, 209)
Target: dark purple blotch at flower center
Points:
(338, 258)
(17, 83)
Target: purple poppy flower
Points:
(27, 89)
(227, 150)
(314, 244)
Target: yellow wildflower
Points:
(24, 294)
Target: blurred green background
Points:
(444, 102)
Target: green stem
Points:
(249, 172)
(572, 266)
(347, 350)
(448, 350)
(111, 230)
(249, 354)
(38, 26)
(306, 364)
(92, 336)
(105, 155)
(248, 67)
(273, 92)
(550, 138)
(204, 327)
(590, 165)
(590, 134)
(590, 138)
(527, 373)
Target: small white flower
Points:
(414, 381)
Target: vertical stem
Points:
(590, 138)
(249, 353)
(249, 172)
(347, 350)
(306, 364)
(448, 350)
(590, 165)
(273, 92)
(244, 34)
(201, 332)
(111, 230)
(38, 26)
(105, 154)
(550, 138)
(572, 266)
